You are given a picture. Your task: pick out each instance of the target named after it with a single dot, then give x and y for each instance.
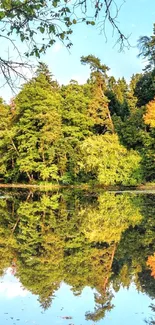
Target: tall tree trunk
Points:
(109, 115)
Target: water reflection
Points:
(103, 241)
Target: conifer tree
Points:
(98, 108)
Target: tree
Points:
(38, 128)
(76, 126)
(149, 116)
(76, 122)
(98, 107)
(7, 144)
(120, 96)
(132, 132)
(146, 46)
(45, 22)
(148, 151)
(104, 158)
(144, 89)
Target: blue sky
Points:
(19, 306)
(136, 18)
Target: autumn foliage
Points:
(149, 117)
(151, 264)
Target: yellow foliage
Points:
(149, 117)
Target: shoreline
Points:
(79, 186)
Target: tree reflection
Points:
(103, 305)
(102, 241)
(151, 320)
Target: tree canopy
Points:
(100, 132)
(94, 132)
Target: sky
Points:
(135, 19)
(20, 306)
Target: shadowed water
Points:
(77, 257)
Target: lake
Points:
(74, 257)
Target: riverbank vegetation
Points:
(100, 132)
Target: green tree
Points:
(8, 150)
(118, 95)
(132, 132)
(98, 108)
(108, 161)
(76, 126)
(38, 128)
(145, 88)
(74, 110)
(149, 152)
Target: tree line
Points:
(100, 132)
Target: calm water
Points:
(76, 258)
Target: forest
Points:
(101, 132)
